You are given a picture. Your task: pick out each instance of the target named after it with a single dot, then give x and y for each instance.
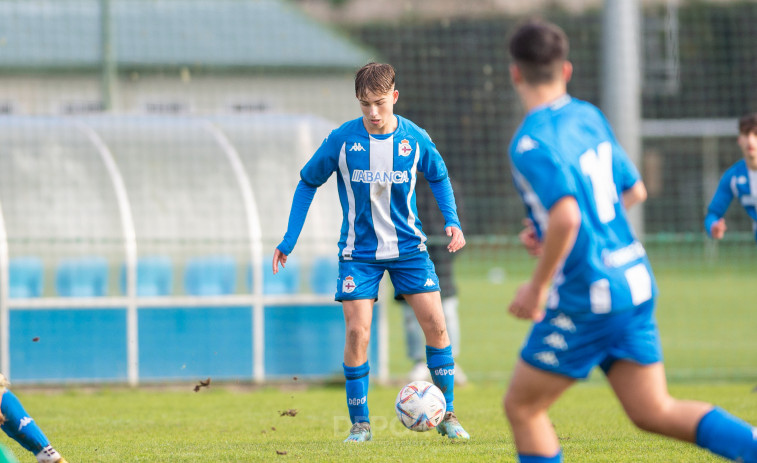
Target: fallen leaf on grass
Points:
(202, 384)
(290, 412)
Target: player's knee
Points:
(515, 409)
(652, 419)
(358, 335)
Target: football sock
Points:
(357, 392)
(725, 435)
(442, 367)
(19, 426)
(538, 459)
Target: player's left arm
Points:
(634, 195)
(562, 229)
(435, 170)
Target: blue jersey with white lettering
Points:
(376, 177)
(737, 182)
(567, 148)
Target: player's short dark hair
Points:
(539, 48)
(748, 123)
(376, 78)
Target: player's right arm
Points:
(315, 173)
(563, 225)
(714, 223)
(549, 192)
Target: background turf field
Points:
(706, 319)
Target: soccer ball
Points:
(420, 406)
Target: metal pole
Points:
(621, 81)
(108, 76)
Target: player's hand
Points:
(278, 257)
(717, 230)
(528, 303)
(529, 239)
(458, 239)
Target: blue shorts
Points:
(573, 344)
(360, 280)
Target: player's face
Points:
(378, 112)
(748, 145)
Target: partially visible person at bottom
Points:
(592, 275)
(22, 428)
(739, 181)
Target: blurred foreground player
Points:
(576, 183)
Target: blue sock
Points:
(723, 434)
(19, 426)
(442, 367)
(357, 392)
(537, 459)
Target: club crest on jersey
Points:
(348, 285)
(404, 148)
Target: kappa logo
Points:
(547, 358)
(24, 421)
(404, 148)
(556, 340)
(348, 285)
(564, 322)
(429, 282)
(357, 147)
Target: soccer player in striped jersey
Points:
(739, 181)
(576, 183)
(376, 159)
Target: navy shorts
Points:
(573, 344)
(360, 280)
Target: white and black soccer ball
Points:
(420, 406)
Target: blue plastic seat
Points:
(210, 276)
(82, 277)
(25, 277)
(323, 274)
(287, 281)
(154, 276)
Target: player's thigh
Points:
(428, 310)
(533, 390)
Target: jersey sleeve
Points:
(720, 202)
(323, 163)
(544, 175)
(431, 163)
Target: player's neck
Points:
(540, 95)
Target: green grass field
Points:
(707, 327)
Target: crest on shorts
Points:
(404, 148)
(348, 285)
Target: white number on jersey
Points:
(597, 165)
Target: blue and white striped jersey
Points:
(737, 182)
(567, 148)
(376, 177)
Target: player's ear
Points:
(567, 70)
(395, 96)
(515, 75)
